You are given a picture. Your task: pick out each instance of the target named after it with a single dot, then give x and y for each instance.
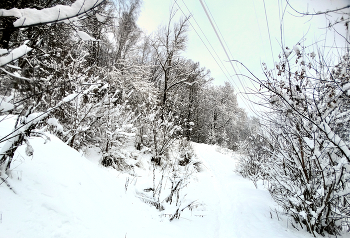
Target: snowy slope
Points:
(59, 193)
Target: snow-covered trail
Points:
(241, 210)
(60, 193)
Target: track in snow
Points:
(62, 194)
(240, 209)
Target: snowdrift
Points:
(58, 192)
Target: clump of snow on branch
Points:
(14, 54)
(29, 16)
(84, 36)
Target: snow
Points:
(346, 87)
(85, 36)
(3, 51)
(309, 142)
(57, 192)
(30, 16)
(241, 210)
(15, 74)
(335, 139)
(6, 106)
(100, 17)
(70, 97)
(287, 53)
(14, 54)
(55, 123)
(13, 66)
(296, 48)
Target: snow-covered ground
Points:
(59, 193)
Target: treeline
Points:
(95, 79)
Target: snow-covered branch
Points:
(14, 54)
(29, 17)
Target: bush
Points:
(255, 151)
(306, 158)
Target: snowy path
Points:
(59, 193)
(240, 208)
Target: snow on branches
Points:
(308, 163)
(29, 16)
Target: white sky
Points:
(243, 26)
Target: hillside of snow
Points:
(58, 192)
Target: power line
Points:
(236, 74)
(206, 37)
(222, 36)
(257, 21)
(244, 94)
(228, 78)
(203, 42)
(218, 28)
(268, 29)
(232, 81)
(211, 22)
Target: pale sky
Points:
(244, 28)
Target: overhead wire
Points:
(206, 37)
(231, 55)
(268, 30)
(203, 42)
(257, 21)
(217, 34)
(236, 74)
(260, 31)
(228, 48)
(279, 17)
(244, 94)
(228, 78)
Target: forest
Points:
(85, 72)
(100, 72)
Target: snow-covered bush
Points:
(161, 130)
(171, 177)
(183, 164)
(308, 164)
(314, 149)
(256, 152)
(31, 65)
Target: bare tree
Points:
(169, 42)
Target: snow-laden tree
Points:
(169, 42)
(127, 32)
(220, 120)
(308, 146)
(304, 149)
(26, 62)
